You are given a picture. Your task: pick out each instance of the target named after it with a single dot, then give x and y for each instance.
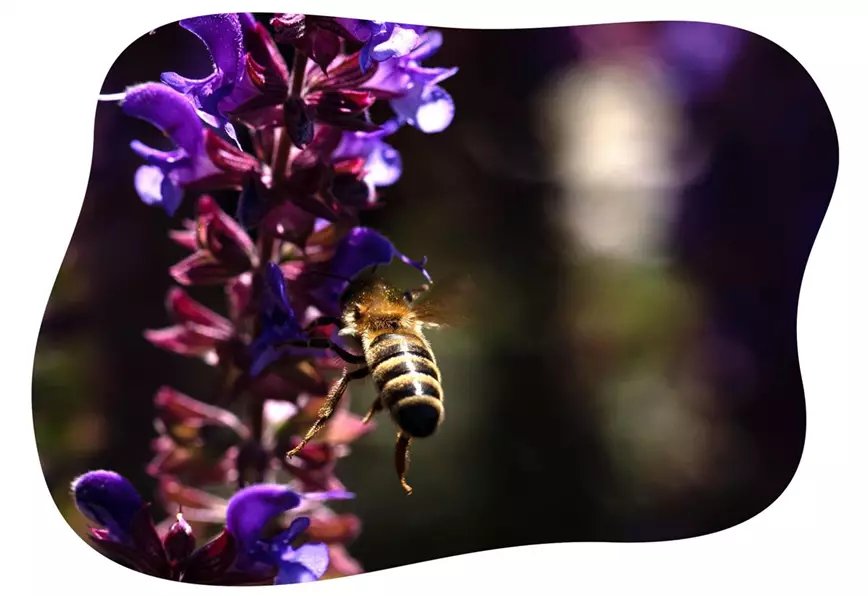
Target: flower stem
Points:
(299, 64)
(281, 152)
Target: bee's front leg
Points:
(413, 295)
(330, 406)
(322, 321)
(322, 343)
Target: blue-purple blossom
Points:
(277, 319)
(248, 77)
(110, 500)
(382, 40)
(247, 515)
(162, 179)
(223, 37)
(127, 534)
(363, 248)
(360, 250)
(316, 160)
(414, 91)
(383, 164)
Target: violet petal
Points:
(155, 188)
(294, 573)
(251, 508)
(363, 248)
(431, 111)
(360, 29)
(108, 499)
(222, 35)
(306, 563)
(383, 165)
(429, 43)
(169, 111)
(399, 43)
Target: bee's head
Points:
(371, 301)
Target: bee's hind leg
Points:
(375, 407)
(402, 460)
(328, 408)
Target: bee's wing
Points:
(446, 304)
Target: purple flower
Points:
(223, 37)
(318, 286)
(249, 76)
(128, 535)
(361, 249)
(414, 92)
(382, 40)
(108, 499)
(199, 159)
(278, 322)
(382, 161)
(247, 515)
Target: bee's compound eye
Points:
(357, 312)
(408, 296)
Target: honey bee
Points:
(389, 323)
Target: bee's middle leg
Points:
(330, 406)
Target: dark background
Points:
(593, 396)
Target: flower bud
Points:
(299, 125)
(179, 542)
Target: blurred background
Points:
(635, 203)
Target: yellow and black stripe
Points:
(408, 380)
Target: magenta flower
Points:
(197, 331)
(200, 159)
(197, 442)
(222, 250)
(318, 38)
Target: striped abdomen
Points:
(408, 381)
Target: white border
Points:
(59, 54)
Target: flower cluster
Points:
(241, 554)
(295, 142)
